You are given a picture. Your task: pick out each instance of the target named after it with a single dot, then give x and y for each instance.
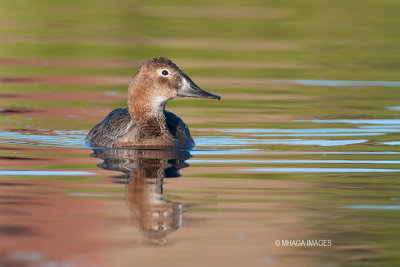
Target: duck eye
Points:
(164, 72)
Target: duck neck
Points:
(147, 112)
(144, 111)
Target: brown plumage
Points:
(146, 123)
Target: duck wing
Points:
(116, 124)
(178, 128)
(111, 129)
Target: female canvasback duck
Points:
(145, 123)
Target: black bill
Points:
(190, 89)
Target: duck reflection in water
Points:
(144, 172)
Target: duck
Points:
(145, 124)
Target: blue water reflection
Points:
(295, 161)
(231, 141)
(393, 108)
(343, 83)
(45, 173)
(357, 121)
(373, 207)
(320, 170)
(392, 143)
(72, 139)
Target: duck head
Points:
(159, 80)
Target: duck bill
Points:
(190, 89)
